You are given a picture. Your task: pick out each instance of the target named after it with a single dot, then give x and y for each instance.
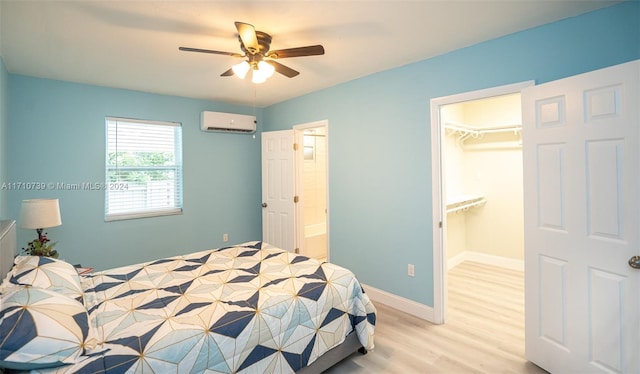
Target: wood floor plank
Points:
(484, 332)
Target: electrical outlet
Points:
(225, 237)
(411, 270)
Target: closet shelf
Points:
(464, 202)
(464, 131)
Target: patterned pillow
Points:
(46, 272)
(40, 328)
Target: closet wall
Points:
(483, 163)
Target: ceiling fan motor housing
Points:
(264, 43)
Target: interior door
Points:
(581, 162)
(278, 208)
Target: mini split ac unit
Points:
(227, 122)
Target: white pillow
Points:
(45, 272)
(40, 328)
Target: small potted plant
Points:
(41, 247)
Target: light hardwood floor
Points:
(484, 331)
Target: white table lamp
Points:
(40, 214)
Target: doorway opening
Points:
(312, 187)
(482, 179)
(479, 242)
(465, 137)
(484, 224)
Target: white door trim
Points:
(298, 166)
(439, 217)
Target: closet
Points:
(482, 175)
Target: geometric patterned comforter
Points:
(249, 308)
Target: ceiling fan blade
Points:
(312, 50)
(284, 70)
(227, 73)
(187, 49)
(247, 34)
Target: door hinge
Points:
(295, 146)
(296, 199)
(440, 224)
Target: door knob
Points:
(634, 262)
(264, 205)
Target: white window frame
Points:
(116, 186)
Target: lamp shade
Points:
(241, 69)
(263, 72)
(40, 213)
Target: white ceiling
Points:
(134, 44)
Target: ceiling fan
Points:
(259, 59)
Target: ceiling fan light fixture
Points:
(257, 77)
(241, 69)
(266, 68)
(262, 72)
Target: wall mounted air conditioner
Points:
(227, 122)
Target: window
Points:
(143, 169)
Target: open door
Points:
(581, 160)
(278, 207)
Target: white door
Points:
(581, 162)
(278, 215)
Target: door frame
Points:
(438, 188)
(298, 132)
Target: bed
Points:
(250, 308)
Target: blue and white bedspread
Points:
(249, 308)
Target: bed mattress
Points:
(247, 308)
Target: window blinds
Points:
(143, 168)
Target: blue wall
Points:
(57, 134)
(379, 136)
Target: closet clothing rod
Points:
(501, 129)
(476, 131)
(466, 205)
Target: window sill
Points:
(148, 214)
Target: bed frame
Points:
(335, 355)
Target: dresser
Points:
(8, 246)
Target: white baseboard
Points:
(456, 260)
(483, 258)
(398, 302)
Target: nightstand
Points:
(82, 270)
